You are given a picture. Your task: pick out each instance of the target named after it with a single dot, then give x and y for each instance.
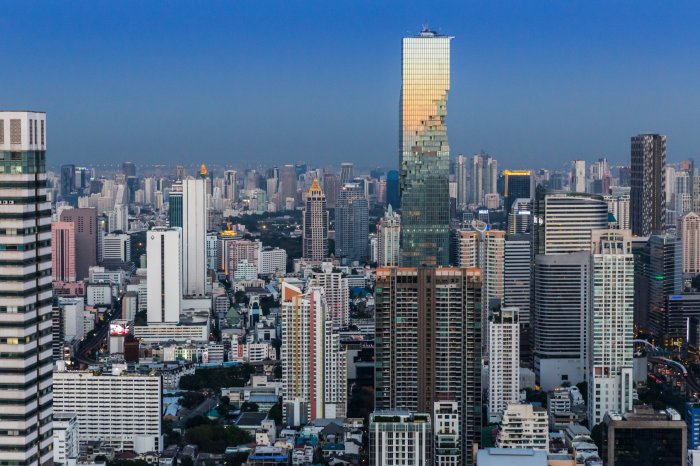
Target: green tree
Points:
(248, 407)
(275, 413)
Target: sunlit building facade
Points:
(424, 151)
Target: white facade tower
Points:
(25, 292)
(611, 325)
(504, 360)
(164, 278)
(194, 232)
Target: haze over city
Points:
(534, 83)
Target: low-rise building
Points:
(400, 438)
(524, 426)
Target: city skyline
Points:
(523, 89)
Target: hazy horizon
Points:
(249, 83)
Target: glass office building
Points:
(424, 151)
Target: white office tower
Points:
(164, 277)
(194, 232)
(611, 325)
(504, 360)
(73, 317)
(116, 247)
(689, 232)
(578, 177)
(564, 221)
(314, 368)
(619, 207)
(149, 190)
(65, 438)
(517, 275)
(520, 216)
(446, 439)
(524, 426)
(121, 409)
(400, 438)
(336, 291)
(25, 292)
(388, 234)
(559, 318)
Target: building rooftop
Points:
(511, 457)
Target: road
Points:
(87, 347)
(202, 409)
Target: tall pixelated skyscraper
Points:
(424, 151)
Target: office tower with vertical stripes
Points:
(194, 231)
(63, 251)
(26, 294)
(164, 278)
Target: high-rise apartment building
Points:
(314, 371)
(611, 325)
(194, 232)
(483, 177)
(578, 177)
(330, 189)
(336, 291)
(648, 195)
(424, 151)
(619, 207)
(119, 408)
(85, 220)
(564, 221)
(428, 343)
(315, 225)
(465, 248)
(400, 438)
(26, 295)
(63, 251)
(164, 278)
(689, 232)
(462, 176)
(388, 237)
(504, 360)
(351, 223)
(559, 317)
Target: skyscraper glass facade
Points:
(424, 151)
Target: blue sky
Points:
(535, 83)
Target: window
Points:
(15, 131)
